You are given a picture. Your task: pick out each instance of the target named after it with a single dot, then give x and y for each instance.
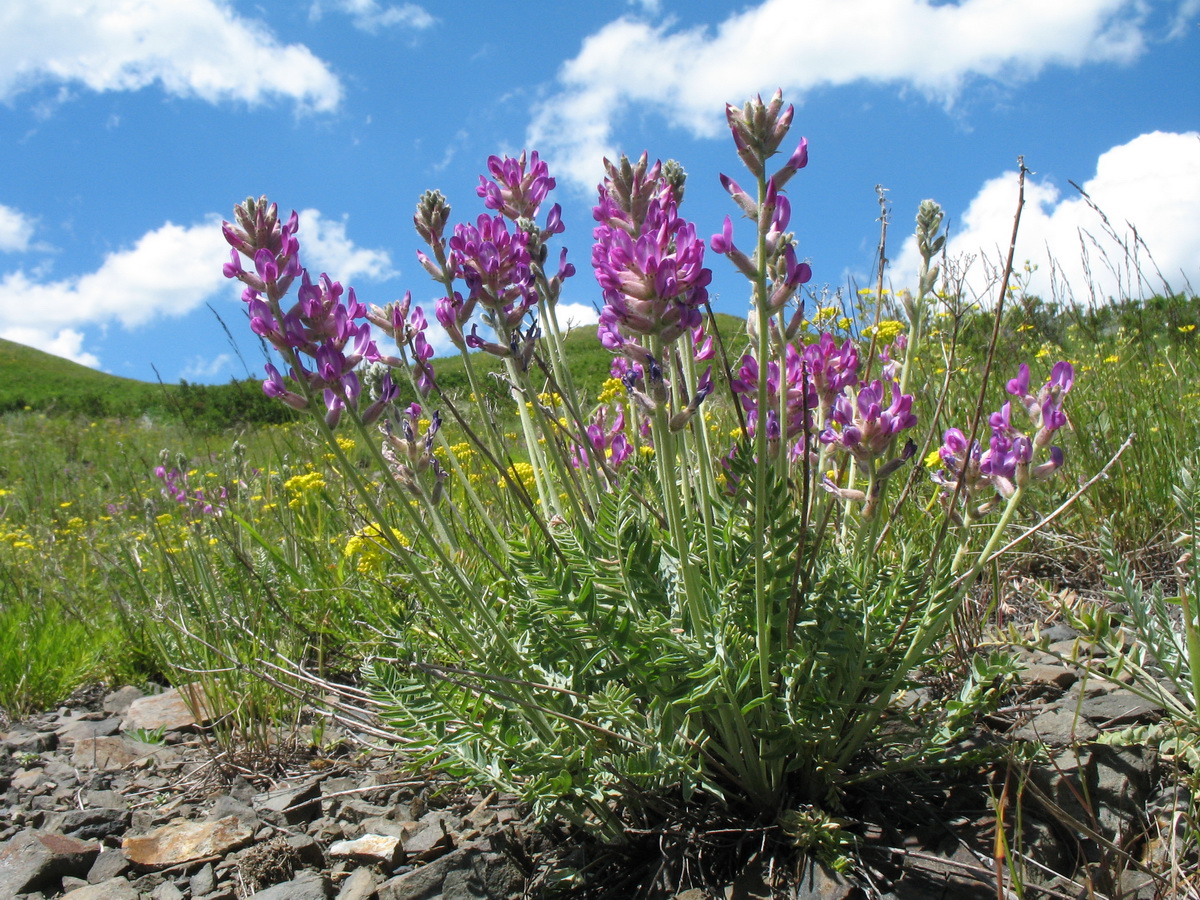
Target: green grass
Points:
(87, 537)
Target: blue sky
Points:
(129, 128)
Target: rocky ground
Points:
(119, 796)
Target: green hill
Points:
(38, 380)
(32, 379)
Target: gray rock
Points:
(294, 804)
(168, 711)
(113, 889)
(425, 883)
(308, 886)
(109, 864)
(81, 729)
(113, 753)
(819, 882)
(26, 740)
(359, 886)
(225, 805)
(105, 800)
(1101, 786)
(118, 701)
(167, 891)
(306, 850)
(204, 881)
(95, 824)
(35, 859)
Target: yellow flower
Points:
(1185, 329)
(933, 459)
(368, 544)
(1112, 358)
(612, 389)
(888, 330)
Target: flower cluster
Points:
(799, 390)
(410, 455)
(861, 424)
(1008, 463)
(320, 325)
(648, 260)
(197, 502)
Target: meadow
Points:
(585, 571)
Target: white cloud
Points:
(167, 273)
(191, 48)
(687, 75)
(16, 229)
(576, 315)
(324, 247)
(1151, 185)
(370, 15)
(200, 368)
(65, 342)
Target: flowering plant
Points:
(629, 610)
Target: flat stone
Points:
(204, 881)
(80, 729)
(95, 824)
(184, 842)
(28, 779)
(382, 849)
(109, 864)
(168, 711)
(296, 804)
(1050, 676)
(1119, 707)
(26, 740)
(105, 800)
(1058, 726)
(167, 891)
(112, 753)
(119, 700)
(308, 886)
(36, 859)
(113, 889)
(359, 886)
(427, 881)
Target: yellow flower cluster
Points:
(301, 486)
(889, 329)
(523, 473)
(613, 389)
(368, 545)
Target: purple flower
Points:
(495, 265)
(516, 190)
(863, 425)
(831, 369)
(799, 397)
(653, 278)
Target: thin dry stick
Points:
(977, 421)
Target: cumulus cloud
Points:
(166, 273)
(1145, 243)
(66, 342)
(324, 247)
(198, 367)
(686, 75)
(576, 315)
(16, 230)
(370, 15)
(191, 48)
